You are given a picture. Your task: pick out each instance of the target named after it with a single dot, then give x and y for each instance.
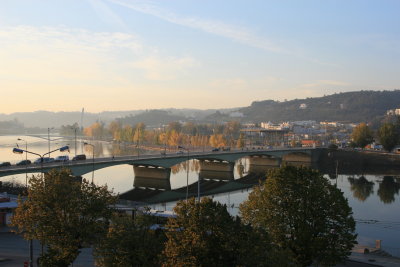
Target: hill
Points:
(351, 106)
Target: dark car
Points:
(79, 157)
(5, 164)
(23, 162)
(61, 159)
(45, 160)
(215, 150)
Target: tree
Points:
(204, 234)
(362, 135)
(387, 190)
(388, 136)
(304, 213)
(63, 213)
(361, 187)
(130, 242)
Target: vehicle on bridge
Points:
(5, 164)
(45, 160)
(61, 159)
(23, 162)
(79, 157)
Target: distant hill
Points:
(351, 106)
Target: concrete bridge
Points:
(158, 166)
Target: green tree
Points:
(130, 242)
(388, 136)
(362, 135)
(204, 234)
(64, 214)
(304, 213)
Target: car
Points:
(179, 152)
(23, 162)
(45, 160)
(79, 157)
(61, 159)
(5, 164)
(215, 150)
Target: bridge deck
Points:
(166, 161)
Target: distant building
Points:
(236, 114)
(393, 112)
(303, 106)
(270, 126)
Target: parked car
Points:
(79, 157)
(45, 160)
(5, 164)
(215, 150)
(24, 162)
(61, 159)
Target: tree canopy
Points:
(64, 214)
(130, 242)
(204, 234)
(304, 213)
(389, 136)
(362, 135)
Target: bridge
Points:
(158, 166)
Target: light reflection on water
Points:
(373, 198)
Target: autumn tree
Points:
(96, 130)
(205, 234)
(304, 213)
(64, 214)
(389, 136)
(130, 242)
(362, 135)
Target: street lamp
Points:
(87, 144)
(20, 151)
(75, 129)
(26, 161)
(48, 138)
(187, 176)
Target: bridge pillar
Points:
(265, 161)
(298, 159)
(152, 177)
(215, 165)
(261, 164)
(216, 170)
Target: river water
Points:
(373, 198)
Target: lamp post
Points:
(26, 161)
(20, 151)
(87, 144)
(48, 138)
(187, 176)
(75, 129)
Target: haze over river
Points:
(373, 198)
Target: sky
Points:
(111, 55)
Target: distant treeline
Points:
(16, 127)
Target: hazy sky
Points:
(62, 55)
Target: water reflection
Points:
(361, 187)
(388, 188)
